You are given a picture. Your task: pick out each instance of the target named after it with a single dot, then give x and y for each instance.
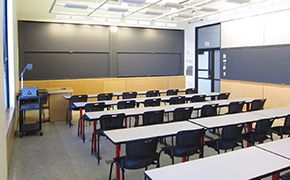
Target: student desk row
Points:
(120, 136)
(119, 94)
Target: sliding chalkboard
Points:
(71, 51)
(269, 64)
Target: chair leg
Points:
(111, 168)
(123, 173)
(92, 143)
(84, 128)
(172, 159)
(98, 153)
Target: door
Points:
(208, 70)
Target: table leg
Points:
(95, 137)
(183, 159)
(117, 152)
(249, 129)
(275, 176)
(81, 122)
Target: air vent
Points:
(184, 15)
(134, 1)
(238, 1)
(173, 5)
(152, 12)
(76, 6)
(118, 9)
(208, 9)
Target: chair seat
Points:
(179, 152)
(127, 163)
(254, 137)
(219, 144)
(281, 130)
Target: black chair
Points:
(223, 96)
(182, 114)
(43, 93)
(171, 92)
(71, 107)
(105, 97)
(208, 110)
(285, 176)
(177, 100)
(153, 117)
(187, 143)
(152, 93)
(139, 154)
(129, 95)
(261, 132)
(152, 102)
(91, 107)
(283, 130)
(257, 104)
(109, 122)
(236, 107)
(198, 98)
(126, 104)
(190, 91)
(229, 139)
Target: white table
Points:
(242, 164)
(280, 147)
(226, 120)
(274, 112)
(226, 102)
(120, 136)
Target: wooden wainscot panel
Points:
(114, 85)
(176, 82)
(277, 96)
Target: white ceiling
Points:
(160, 13)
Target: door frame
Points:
(204, 49)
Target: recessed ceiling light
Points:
(171, 24)
(153, 12)
(118, 9)
(134, 1)
(113, 20)
(159, 23)
(131, 21)
(173, 5)
(99, 19)
(79, 18)
(238, 1)
(62, 17)
(146, 23)
(76, 6)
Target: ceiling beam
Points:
(143, 7)
(98, 7)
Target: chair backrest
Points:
(182, 114)
(129, 95)
(208, 110)
(236, 107)
(287, 121)
(189, 139)
(126, 104)
(152, 93)
(177, 100)
(78, 98)
(190, 91)
(231, 133)
(153, 117)
(198, 98)
(257, 104)
(171, 92)
(223, 96)
(43, 93)
(95, 107)
(140, 149)
(152, 102)
(109, 122)
(105, 97)
(263, 127)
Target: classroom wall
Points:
(106, 85)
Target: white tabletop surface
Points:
(139, 111)
(274, 112)
(226, 102)
(226, 120)
(280, 147)
(143, 132)
(242, 164)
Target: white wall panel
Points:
(243, 32)
(277, 28)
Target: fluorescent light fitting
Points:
(62, 17)
(171, 24)
(131, 21)
(159, 23)
(208, 9)
(145, 23)
(173, 5)
(118, 9)
(76, 6)
(153, 12)
(238, 1)
(99, 19)
(79, 18)
(134, 1)
(184, 15)
(111, 20)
